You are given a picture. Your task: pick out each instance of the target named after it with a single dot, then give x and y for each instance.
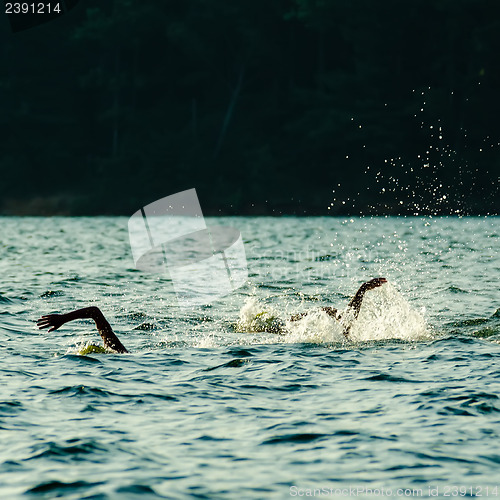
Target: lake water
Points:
(203, 407)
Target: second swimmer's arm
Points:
(357, 300)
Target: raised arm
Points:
(354, 305)
(111, 341)
(357, 300)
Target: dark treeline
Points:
(265, 107)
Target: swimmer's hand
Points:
(51, 320)
(374, 283)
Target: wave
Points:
(4, 300)
(478, 327)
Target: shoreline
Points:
(75, 206)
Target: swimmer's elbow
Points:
(98, 317)
(95, 312)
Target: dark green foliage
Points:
(262, 106)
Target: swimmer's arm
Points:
(354, 304)
(357, 300)
(109, 338)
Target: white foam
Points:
(316, 327)
(255, 316)
(384, 314)
(207, 342)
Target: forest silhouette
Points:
(270, 107)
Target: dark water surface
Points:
(201, 409)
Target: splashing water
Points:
(85, 347)
(439, 176)
(256, 317)
(90, 348)
(384, 314)
(317, 327)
